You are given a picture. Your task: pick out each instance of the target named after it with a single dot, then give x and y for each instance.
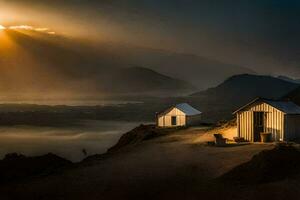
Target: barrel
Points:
(266, 137)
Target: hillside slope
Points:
(166, 167)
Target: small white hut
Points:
(179, 115)
(280, 118)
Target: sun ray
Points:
(6, 43)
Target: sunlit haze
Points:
(94, 38)
(239, 33)
(150, 99)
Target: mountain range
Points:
(200, 71)
(40, 64)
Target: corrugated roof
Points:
(187, 109)
(287, 107)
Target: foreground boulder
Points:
(16, 167)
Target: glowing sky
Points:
(28, 28)
(259, 34)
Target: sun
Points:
(2, 27)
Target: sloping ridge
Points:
(293, 96)
(245, 87)
(141, 79)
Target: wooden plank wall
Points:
(274, 121)
(292, 128)
(166, 120)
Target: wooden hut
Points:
(179, 115)
(280, 118)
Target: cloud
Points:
(32, 28)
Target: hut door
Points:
(174, 120)
(259, 125)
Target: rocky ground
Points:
(150, 163)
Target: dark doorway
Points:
(259, 125)
(174, 121)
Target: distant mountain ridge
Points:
(246, 87)
(200, 71)
(289, 79)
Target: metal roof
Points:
(187, 109)
(287, 107)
